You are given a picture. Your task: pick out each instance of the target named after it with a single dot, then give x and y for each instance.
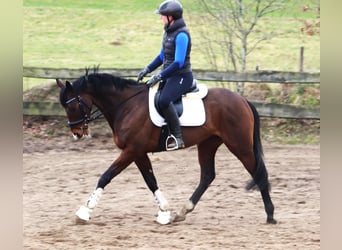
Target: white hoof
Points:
(83, 213)
(164, 217)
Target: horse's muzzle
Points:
(79, 133)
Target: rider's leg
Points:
(172, 90)
(171, 117)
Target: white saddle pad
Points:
(193, 107)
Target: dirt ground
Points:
(59, 174)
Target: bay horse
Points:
(230, 120)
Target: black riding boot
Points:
(175, 140)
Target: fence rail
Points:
(264, 109)
(255, 76)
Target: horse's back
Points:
(225, 100)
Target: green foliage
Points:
(265, 87)
(304, 95)
(292, 98)
(311, 102)
(287, 131)
(127, 34)
(300, 89)
(94, 4)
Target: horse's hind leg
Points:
(260, 177)
(255, 165)
(206, 156)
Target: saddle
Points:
(190, 107)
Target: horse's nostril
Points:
(76, 136)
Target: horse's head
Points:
(78, 108)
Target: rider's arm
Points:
(157, 61)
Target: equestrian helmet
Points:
(170, 8)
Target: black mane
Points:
(105, 80)
(99, 83)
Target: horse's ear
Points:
(59, 83)
(68, 86)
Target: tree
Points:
(235, 22)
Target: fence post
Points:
(301, 59)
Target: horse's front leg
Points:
(83, 213)
(145, 167)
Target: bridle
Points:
(85, 119)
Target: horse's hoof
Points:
(271, 221)
(82, 214)
(164, 217)
(79, 221)
(178, 218)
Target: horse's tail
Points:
(260, 177)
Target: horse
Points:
(230, 120)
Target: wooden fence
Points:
(264, 109)
(255, 76)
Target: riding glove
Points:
(143, 73)
(153, 80)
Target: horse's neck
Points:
(112, 103)
(116, 108)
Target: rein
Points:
(130, 98)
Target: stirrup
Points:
(177, 146)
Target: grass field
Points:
(127, 34)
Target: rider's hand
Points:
(143, 73)
(154, 79)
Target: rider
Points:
(176, 76)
